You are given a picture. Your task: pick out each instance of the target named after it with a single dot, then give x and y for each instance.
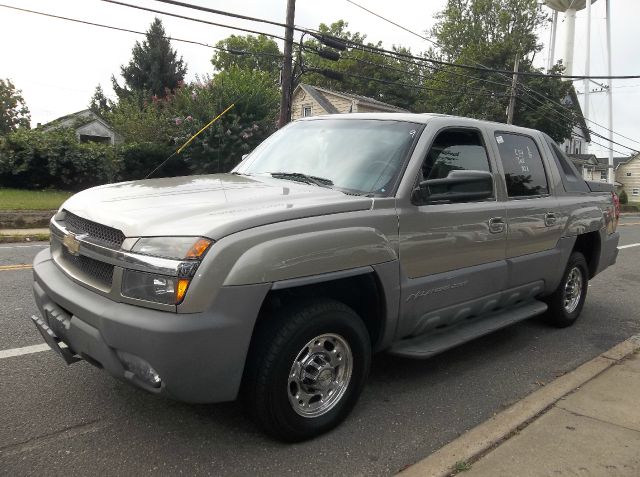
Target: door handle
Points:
(496, 225)
(550, 219)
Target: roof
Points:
(79, 118)
(572, 101)
(318, 94)
(617, 161)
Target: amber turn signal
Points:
(198, 248)
(181, 290)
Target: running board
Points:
(427, 345)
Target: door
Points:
(534, 226)
(452, 252)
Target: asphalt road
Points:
(77, 420)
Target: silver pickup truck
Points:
(339, 236)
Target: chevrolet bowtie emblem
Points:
(72, 243)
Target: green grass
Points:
(19, 199)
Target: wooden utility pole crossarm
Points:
(514, 84)
(287, 66)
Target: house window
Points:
(98, 139)
(603, 175)
(306, 111)
(635, 191)
(628, 174)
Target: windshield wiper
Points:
(299, 176)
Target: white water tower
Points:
(570, 7)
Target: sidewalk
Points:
(594, 431)
(585, 423)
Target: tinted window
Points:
(523, 168)
(455, 151)
(570, 176)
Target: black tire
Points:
(275, 348)
(559, 314)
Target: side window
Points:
(571, 178)
(523, 167)
(455, 150)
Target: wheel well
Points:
(589, 245)
(362, 293)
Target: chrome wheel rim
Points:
(320, 375)
(573, 290)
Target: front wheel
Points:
(566, 302)
(307, 367)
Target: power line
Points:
(484, 67)
(224, 13)
(561, 115)
(371, 47)
(126, 30)
(394, 23)
(222, 25)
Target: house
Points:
(88, 125)
(590, 167)
(628, 175)
(580, 136)
(310, 100)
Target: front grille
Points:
(108, 235)
(95, 269)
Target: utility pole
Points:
(611, 175)
(287, 67)
(514, 83)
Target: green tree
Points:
(248, 52)
(154, 68)
(492, 33)
(13, 110)
(363, 71)
(99, 103)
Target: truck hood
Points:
(211, 206)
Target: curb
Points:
(24, 238)
(472, 444)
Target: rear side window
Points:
(570, 176)
(523, 168)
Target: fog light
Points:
(140, 368)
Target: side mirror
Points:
(458, 186)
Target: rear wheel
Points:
(307, 367)
(566, 302)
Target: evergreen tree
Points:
(154, 67)
(99, 103)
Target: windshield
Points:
(359, 156)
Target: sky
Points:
(57, 64)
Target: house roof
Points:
(318, 94)
(617, 161)
(572, 101)
(80, 118)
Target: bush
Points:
(623, 197)
(36, 159)
(135, 161)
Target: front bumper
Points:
(199, 356)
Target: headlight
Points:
(168, 290)
(172, 247)
(152, 287)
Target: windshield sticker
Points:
(412, 132)
(499, 139)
